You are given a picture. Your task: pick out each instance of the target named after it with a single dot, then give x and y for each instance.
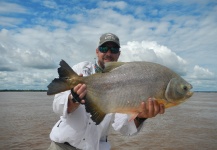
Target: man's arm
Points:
(80, 89)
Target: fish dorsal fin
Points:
(109, 66)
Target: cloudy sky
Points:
(36, 34)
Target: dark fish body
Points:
(123, 86)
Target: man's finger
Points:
(82, 95)
(150, 108)
(81, 75)
(143, 105)
(82, 101)
(162, 109)
(156, 108)
(76, 88)
(81, 89)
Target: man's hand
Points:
(150, 108)
(81, 90)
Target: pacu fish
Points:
(123, 86)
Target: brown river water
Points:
(27, 119)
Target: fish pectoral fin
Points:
(161, 101)
(97, 115)
(166, 103)
(133, 116)
(171, 105)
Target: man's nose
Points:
(109, 51)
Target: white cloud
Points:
(10, 21)
(6, 7)
(202, 73)
(3, 75)
(42, 48)
(119, 4)
(153, 52)
(50, 4)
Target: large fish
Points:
(123, 86)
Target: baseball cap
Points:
(109, 37)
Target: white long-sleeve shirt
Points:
(78, 129)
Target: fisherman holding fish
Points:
(76, 129)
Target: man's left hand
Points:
(151, 108)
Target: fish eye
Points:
(185, 88)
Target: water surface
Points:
(27, 119)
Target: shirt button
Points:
(84, 139)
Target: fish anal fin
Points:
(133, 116)
(97, 115)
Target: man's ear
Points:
(97, 52)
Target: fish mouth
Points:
(190, 93)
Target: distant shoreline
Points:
(46, 91)
(23, 90)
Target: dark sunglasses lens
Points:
(105, 49)
(114, 50)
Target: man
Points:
(75, 129)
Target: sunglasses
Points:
(104, 49)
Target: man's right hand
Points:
(81, 90)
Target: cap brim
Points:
(110, 41)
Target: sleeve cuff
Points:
(124, 126)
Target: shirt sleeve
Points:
(60, 103)
(124, 126)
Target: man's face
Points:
(108, 56)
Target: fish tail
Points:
(66, 81)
